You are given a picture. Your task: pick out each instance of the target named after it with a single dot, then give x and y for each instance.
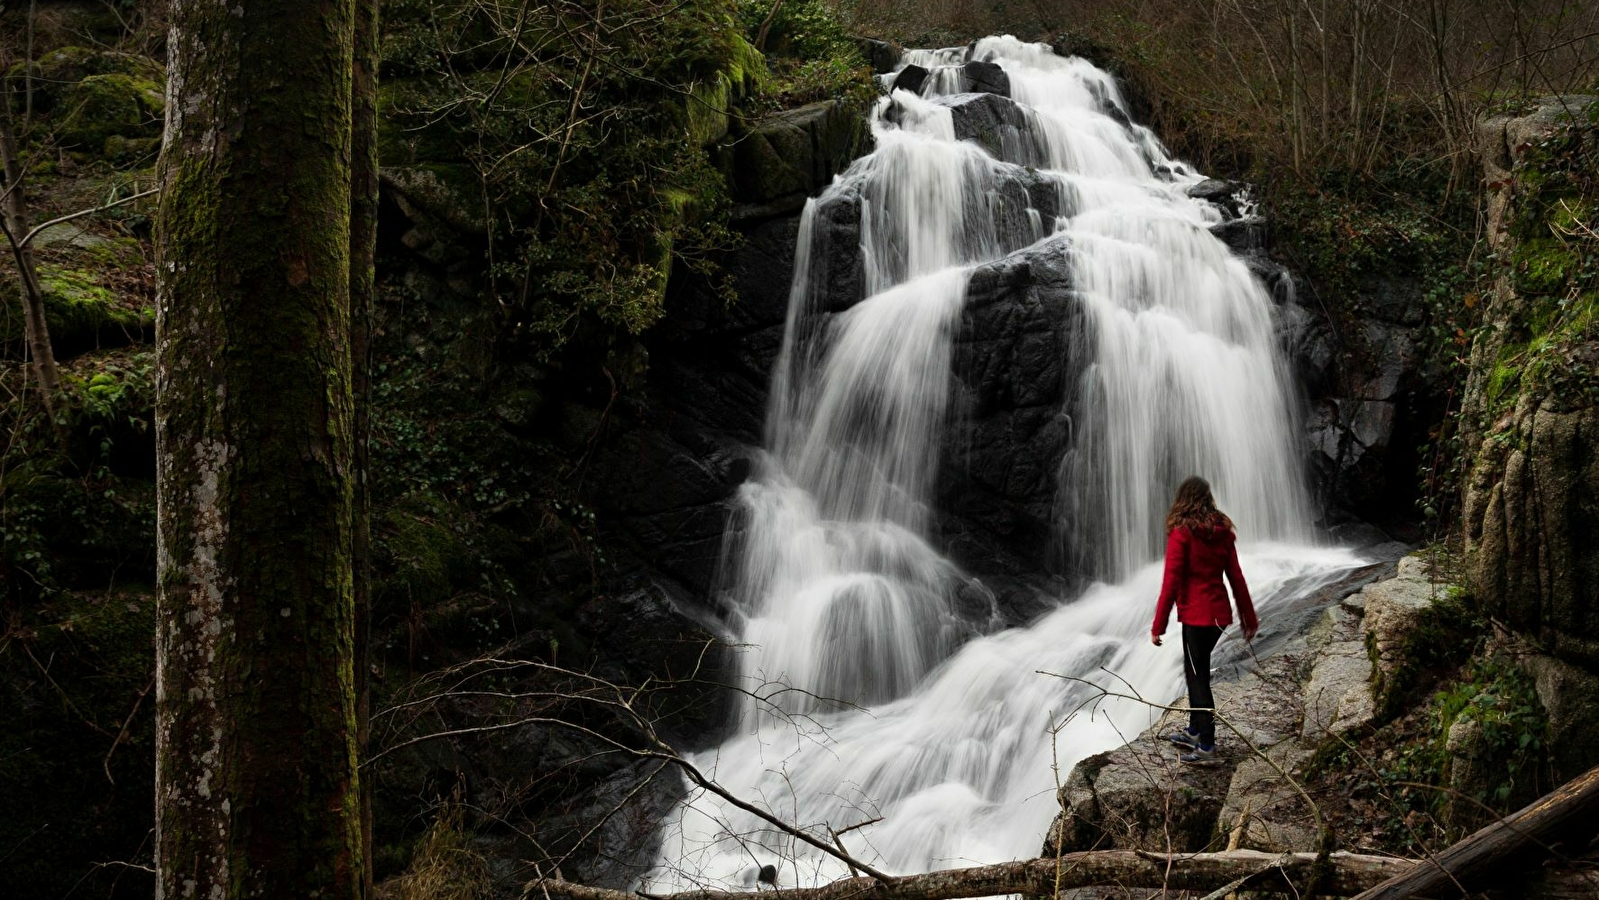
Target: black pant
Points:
(1198, 641)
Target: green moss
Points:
(1543, 266)
(104, 106)
(78, 306)
(1505, 376)
(707, 111)
(1500, 697)
(575, 197)
(59, 71)
(1549, 322)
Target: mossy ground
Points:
(1396, 790)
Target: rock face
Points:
(786, 157)
(1017, 356)
(996, 124)
(1533, 525)
(911, 78)
(1368, 403)
(1532, 500)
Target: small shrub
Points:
(444, 866)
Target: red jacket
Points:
(1195, 562)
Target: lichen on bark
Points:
(256, 742)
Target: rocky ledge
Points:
(1278, 716)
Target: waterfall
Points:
(868, 693)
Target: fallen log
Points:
(1569, 815)
(1348, 873)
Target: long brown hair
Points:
(1195, 508)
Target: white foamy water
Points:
(875, 698)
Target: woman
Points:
(1199, 551)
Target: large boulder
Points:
(983, 77)
(1398, 620)
(1338, 695)
(1569, 695)
(1287, 701)
(1019, 352)
(911, 78)
(791, 155)
(996, 124)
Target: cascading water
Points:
(869, 695)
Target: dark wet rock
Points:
(762, 270)
(1225, 195)
(880, 55)
(996, 124)
(836, 250)
(985, 78)
(911, 78)
(1016, 358)
(792, 155)
(1242, 235)
(1390, 299)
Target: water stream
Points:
(869, 695)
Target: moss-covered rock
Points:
(1531, 410)
(104, 106)
(131, 152)
(79, 307)
(1532, 521)
(57, 72)
(429, 562)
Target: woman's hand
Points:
(1155, 639)
(1249, 633)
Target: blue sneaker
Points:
(1200, 754)
(1184, 737)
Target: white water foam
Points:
(878, 699)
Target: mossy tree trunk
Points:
(257, 788)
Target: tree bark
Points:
(363, 286)
(1569, 815)
(15, 211)
(257, 788)
(1287, 873)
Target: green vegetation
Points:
(810, 55)
(565, 136)
(1498, 696)
(1425, 786)
(583, 150)
(81, 515)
